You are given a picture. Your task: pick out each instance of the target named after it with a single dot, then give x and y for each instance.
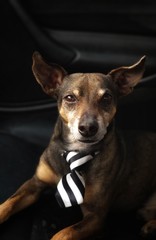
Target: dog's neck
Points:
(67, 143)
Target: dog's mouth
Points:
(91, 140)
(87, 141)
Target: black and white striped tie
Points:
(71, 187)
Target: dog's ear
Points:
(49, 76)
(127, 77)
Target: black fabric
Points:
(108, 16)
(17, 163)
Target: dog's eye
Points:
(107, 98)
(70, 98)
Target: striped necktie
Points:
(71, 187)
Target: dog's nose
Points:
(88, 128)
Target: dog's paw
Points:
(66, 234)
(149, 230)
(5, 210)
(3, 215)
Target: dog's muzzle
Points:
(88, 126)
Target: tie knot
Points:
(77, 159)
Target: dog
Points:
(121, 173)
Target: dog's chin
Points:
(82, 143)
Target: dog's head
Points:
(86, 101)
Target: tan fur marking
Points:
(46, 174)
(63, 115)
(76, 92)
(101, 92)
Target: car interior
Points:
(81, 36)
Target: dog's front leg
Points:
(29, 192)
(26, 195)
(94, 209)
(84, 229)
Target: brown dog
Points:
(122, 175)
